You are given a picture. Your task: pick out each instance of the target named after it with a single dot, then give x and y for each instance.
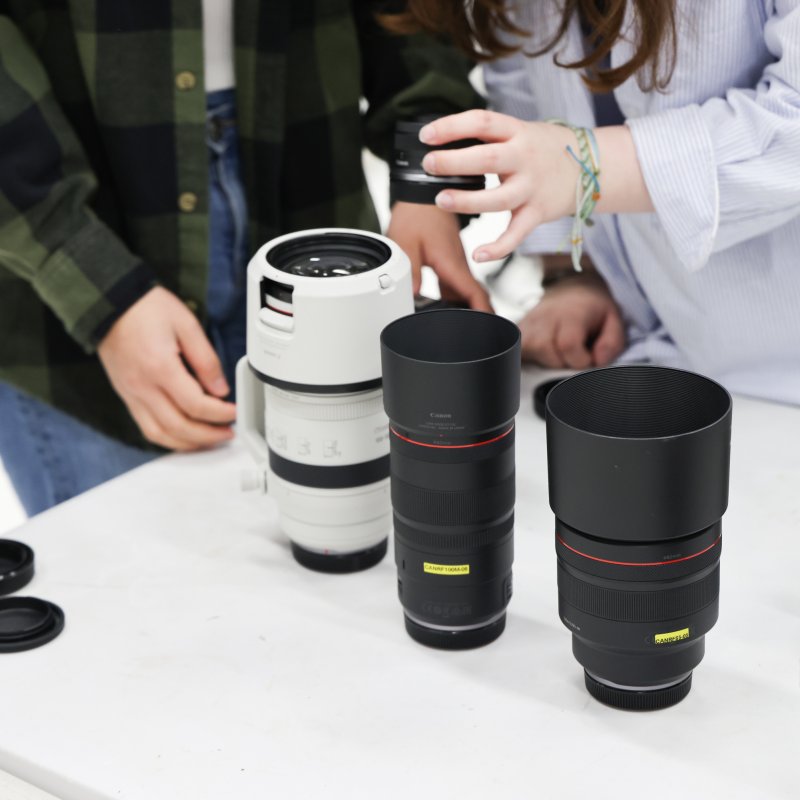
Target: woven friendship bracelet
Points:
(587, 188)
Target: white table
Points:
(199, 661)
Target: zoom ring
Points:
(453, 508)
(651, 606)
(457, 541)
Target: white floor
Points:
(517, 290)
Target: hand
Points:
(576, 324)
(430, 237)
(144, 355)
(538, 176)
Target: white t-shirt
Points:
(218, 44)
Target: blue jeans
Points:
(49, 455)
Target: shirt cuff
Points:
(90, 281)
(678, 162)
(552, 237)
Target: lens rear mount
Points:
(630, 698)
(455, 638)
(340, 563)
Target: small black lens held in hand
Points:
(409, 181)
(451, 391)
(638, 461)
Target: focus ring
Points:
(321, 408)
(625, 606)
(458, 541)
(453, 508)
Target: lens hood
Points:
(442, 370)
(317, 301)
(638, 453)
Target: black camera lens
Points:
(329, 255)
(409, 181)
(451, 390)
(638, 461)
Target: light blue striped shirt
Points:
(711, 280)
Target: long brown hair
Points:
(481, 29)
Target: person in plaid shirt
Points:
(146, 146)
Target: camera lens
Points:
(309, 400)
(409, 181)
(638, 461)
(329, 255)
(451, 391)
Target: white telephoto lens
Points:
(309, 396)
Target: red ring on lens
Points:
(641, 563)
(452, 446)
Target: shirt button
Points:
(187, 202)
(185, 80)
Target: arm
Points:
(717, 174)
(48, 234)
(728, 170)
(405, 77)
(105, 296)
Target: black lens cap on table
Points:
(16, 566)
(28, 622)
(25, 622)
(540, 396)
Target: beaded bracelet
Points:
(587, 189)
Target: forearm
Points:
(48, 234)
(622, 186)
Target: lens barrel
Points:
(317, 302)
(451, 391)
(409, 181)
(638, 461)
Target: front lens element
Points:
(329, 255)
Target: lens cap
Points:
(540, 396)
(28, 622)
(16, 566)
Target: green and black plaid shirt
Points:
(104, 166)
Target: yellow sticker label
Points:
(446, 569)
(672, 636)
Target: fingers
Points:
(150, 429)
(478, 299)
(200, 355)
(415, 257)
(478, 160)
(538, 339)
(610, 341)
(468, 290)
(570, 343)
(522, 223)
(508, 196)
(489, 126)
(186, 393)
(191, 434)
(162, 424)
